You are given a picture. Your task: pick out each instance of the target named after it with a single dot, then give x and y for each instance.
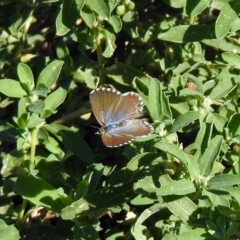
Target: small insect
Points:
(119, 114)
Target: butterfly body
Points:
(118, 115)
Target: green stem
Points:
(33, 144)
(21, 213)
(24, 36)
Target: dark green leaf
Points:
(86, 232)
(7, 132)
(124, 74)
(68, 15)
(234, 126)
(72, 141)
(186, 33)
(183, 120)
(39, 192)
(102, 199)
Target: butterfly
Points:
(118, 114)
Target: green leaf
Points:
(61, 29)
(85, 231)
(146, 185)
(72, 141)
(110, 43)
(176, 4)
(124, 74)
(210, 155)
(140, 162)
(144, 199)
(139, 232)
(186, 159)
(183, 208)
(8, 231)
(112, 4)
(34, 121)
(234, 126)
(116, 23)
(88, 17)
(39, 192)
(130, 23)
(223, 181)
(180, 187)
(203, 138)
(223, 44)
(140, 57)
(53, 100)
(192, 93)
(219, 121)
(102, 199)
(183, 120)
(149, 212)
(195, 234)
(12, 88)
(186, 33)
(234, 192)
(42, 90)
(87, 76)
(7, 132)
(227, 16)
(49, 75)
(36, 107)
(26, 76)
(68, 15)
(223, 88)
(101, 7)
(232, 59)
(158, 104)
(193, 8)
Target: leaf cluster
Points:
(58, 181)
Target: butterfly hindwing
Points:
(126, 132)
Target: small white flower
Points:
(207, 102)
(130, 215)
(162, 131)
(172, 138)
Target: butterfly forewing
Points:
(103, 102)
(126, 132)
(111, 107)
(130, 106)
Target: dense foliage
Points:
(58, 180)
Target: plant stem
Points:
(21, 212)
(33, 144)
